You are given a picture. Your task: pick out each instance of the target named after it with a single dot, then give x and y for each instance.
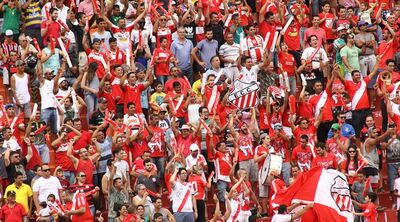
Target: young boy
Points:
(158, 96)
(357, 191)
(369, 208)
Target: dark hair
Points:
(208, 29)
(163, 38)
(372, 196)
(157, 215)
(213, 57)
(269, 15)
(130, 104)
(52, 9)
(389, 61)
(117, 150)
(176, 84)
(43, 204)
(354, 72)
(282, 209)
(180, 170)
(320, 145)
(309, 38)
(146, 161)
(98, 20)
(112, 39)
(341, 7)
(304, 137)
(348, 157)
(211, 75)
(79, 15)
(35, 168)
(201, 108)
(76, 120)
(18, 173)
(118, 116)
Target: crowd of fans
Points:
(132, 98)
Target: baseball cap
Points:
(7, 106)
(60, 80)
(48, 70)
(102, 100)
(96, 40)
(19, 62)
(11, 193)
(361, 23)
(185, 127)
(341, 27)
(193, 147)
(335, 126)
(9, 32)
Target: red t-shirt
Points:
(97, 57)
(370, 213)
(178, 103)
(87, 167)
(155, 144)
(387, 50)
(292, 37)
(80, 201)
(184, 85)
(288, 63)
(302, 157)
(328, 161)
(13, 214)
(245, 144)
(353, 90)
(260, 150)
(110, 100)
(133, 94)
(333, 147)
(162, 68)
(83, 140)
(326, 112)
(35, 160)
(264, 28)
(54, 29)
(164, 32)
(262, 119)
(305, 110)
(137, 149)
(327, 25)
(199, 184)
(62, 159)
(310, 132)
(223, 165)
(185, 142)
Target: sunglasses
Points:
(342, 117)
(46, 170)
(82, 175)
(352, 151)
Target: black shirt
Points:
(218, 32)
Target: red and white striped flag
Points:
(328, 189)
(244, 95)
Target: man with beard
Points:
(50, 27)
(85, 162)
(15, 162)
(13, 211)
(151, 181)
(9, 118)
(207, 48)
(252, 45)
(184, 137)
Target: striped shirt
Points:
(229, 51)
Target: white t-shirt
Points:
(320, 54)
(122, 167)
(282, 218)
(397, 187)
(47, 186)
(249, 76)
(178, 193)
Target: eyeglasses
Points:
(46, 170)
(342, 117)
(352, 151)
(189, 17)
(83, 175)
(31, 135)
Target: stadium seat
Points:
(387, 216)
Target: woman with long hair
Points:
(122, 212)
(90, 84)
(351, 164)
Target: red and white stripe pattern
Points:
(244, 95)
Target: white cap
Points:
(48, 70)
(193, 147)
(341, 27)
(60, 80)
(9, 32)
(185, 127)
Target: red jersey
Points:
(110, 100)
(35, 159)
(208, 93)
(279, 146)
(185, 143)
(80, 201)
(358, 93)
(370, 213)
(263, 117)
(260, 150)
(311, 132)
(178, 101)
(164, 32)
(333, 148)
(136, 150)
(245, 143)
(305, 110)
(53, 30)
(162, 68)
(184, 85)
(62, 159)
(199, 184)
(300, 12)
(87, 167)
(288, 63)
(99, 58)
(387, 50)
(155, 144)
(84, 139)
(323, 99)
(327, 24)
(292, 37)
(133, 94)
(223, 165)
(328, 161)
(264, 28)
(13, 214)
(302, 157)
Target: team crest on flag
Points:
(341, 194)
(244, 95)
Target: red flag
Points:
(328, 189)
